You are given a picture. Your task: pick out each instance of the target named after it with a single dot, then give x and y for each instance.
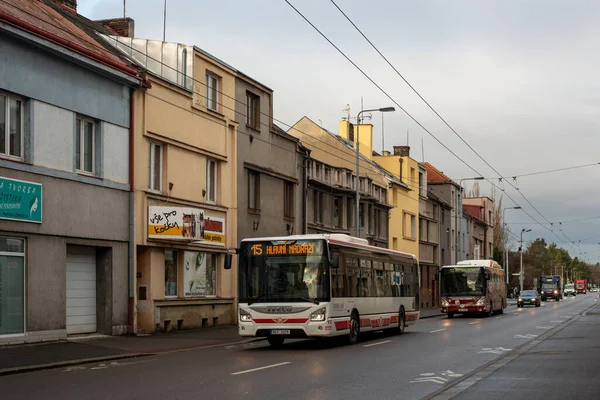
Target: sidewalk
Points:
(563, 363)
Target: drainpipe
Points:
(132, 313)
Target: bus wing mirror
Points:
(228, 260)
(334, 262)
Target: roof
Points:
(55, 23)
(350, 146)
(277, 130)
(434, 175)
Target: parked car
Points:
(569, 290)
(529, 297)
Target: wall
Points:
(276, 154)
(450, 194)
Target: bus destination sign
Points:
(291, 249)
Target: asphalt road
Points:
(428, 356)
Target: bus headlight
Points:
(480, 302)
(556, 292)
(445, 303)
(245, 316)
(318, 315)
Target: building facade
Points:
(185, 192)
(268, 164)
(486, 215)
(331, 186)
(64, 178)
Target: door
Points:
(81, 290)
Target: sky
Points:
(517, 80)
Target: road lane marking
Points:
(557, 321)
(543, 327)
(378, 343)
(473, 323)
(437, 330)
(261, 368)
(527, 336)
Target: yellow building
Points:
(184, 175)
(403, 196)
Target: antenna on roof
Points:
(165, 22)
(124, 8)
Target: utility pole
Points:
(521, 249)
(506, 241)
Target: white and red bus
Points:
(472, 286)
(322, 286)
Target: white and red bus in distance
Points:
(307, 286)
(472, 286)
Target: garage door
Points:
(81, 290)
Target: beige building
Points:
(185, 194)
(331, 186)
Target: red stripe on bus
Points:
(280, 320)
(341, 325)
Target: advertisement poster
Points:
(199, 274)
(185, 223)
(20, 200)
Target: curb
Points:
(458, 386)
(80, 361)
(59, 364)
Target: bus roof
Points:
(338, 239)
(475, 263)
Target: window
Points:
(12, 293)
(254, 191)
(11, 127)
(155, 167)
(337, 212)
(211, 181)
(409, 226)
(350, 210)
(316, 206)
(170, 273)
(318, 170)
(288, 200)
(361, 214)
(253, 110)
(212, 91)
(85, 145)
(200, 274)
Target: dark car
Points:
(529, 297)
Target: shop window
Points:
(170, 273)
(12, 292)
(200, 274)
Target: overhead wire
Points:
(423, 127)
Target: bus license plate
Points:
(280, 332)
(462, 310)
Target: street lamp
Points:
(506, 241)
(521, 248)
(477, 178)
(383, 109)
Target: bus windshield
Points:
(462, 281)
(290, 271)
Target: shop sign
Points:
(185, 223)
(20, 200)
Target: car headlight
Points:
(445, 303)
(480, 302)
(556, 291)
(520, 299)
(245, 316)
(318, 315)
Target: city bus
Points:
(315, 286)
(472, 286)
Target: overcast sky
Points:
(516, 79)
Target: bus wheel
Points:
(354, 328)
(275, 341)
(401, 322)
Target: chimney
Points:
(402, 151)
(120, 26)
(70, 4)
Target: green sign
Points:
(20, 200)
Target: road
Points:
(428, 356)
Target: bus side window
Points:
(352, 277)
